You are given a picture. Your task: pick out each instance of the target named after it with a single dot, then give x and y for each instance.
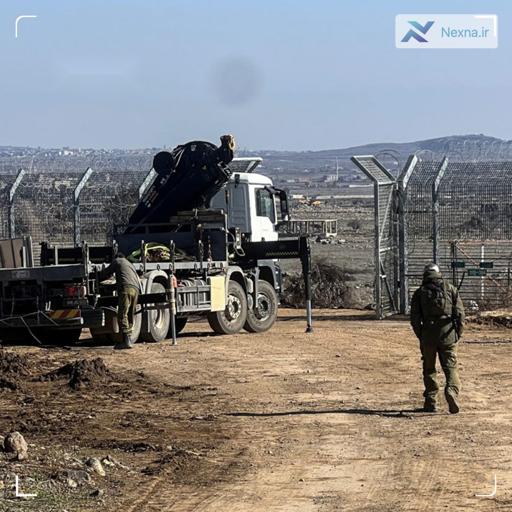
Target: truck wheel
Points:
(263, 316)
(157, 321)
(232, 319)
(180, 323)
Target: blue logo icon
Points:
(423, 29)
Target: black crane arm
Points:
(187, 178)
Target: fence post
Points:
(454, 255)
(378, 272)
(76, 205)
(435, 208)
(403, 254)
(12, 194)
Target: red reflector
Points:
(74, 291)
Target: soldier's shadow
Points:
(388, 413)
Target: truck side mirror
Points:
(283, 201)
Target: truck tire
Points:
(180, 322)
(232, 319)
(157, 322)
(263, 316)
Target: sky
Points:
(278, 74)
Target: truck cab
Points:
(253, 205)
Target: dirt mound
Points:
(178, 462)
(498, 318)
(9, 383)
(13, 364)
(82, 373)
(332, 287)
(13, 369)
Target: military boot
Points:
(429, 405)
(453, 405)
(126, 343)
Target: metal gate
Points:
(482, 271)
(386, 247)
(419, 223)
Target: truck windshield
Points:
(265, 204)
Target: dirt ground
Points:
(281, 421)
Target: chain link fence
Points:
(454, 212)
(458, 214)
(107, 200)
(6, 183)
(67, 207)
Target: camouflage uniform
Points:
(128, 288)
(437, 318)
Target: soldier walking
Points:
(437, 318)
(128, 288)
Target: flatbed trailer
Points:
(53, 302)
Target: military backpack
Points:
(436, 299)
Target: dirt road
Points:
(280, 421)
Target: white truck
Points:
(203, 239)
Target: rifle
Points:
(456, 323)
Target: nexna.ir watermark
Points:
(428, 31)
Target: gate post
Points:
(76, 205)
(385, 248)
(403, 254)
(435, 208)
(376, 248)
(12, 194)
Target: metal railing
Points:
(325, 228)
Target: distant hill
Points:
(276, 163)
(394, 155)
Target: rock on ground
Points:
(74, 477)
(15, 443)
(95, 465)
